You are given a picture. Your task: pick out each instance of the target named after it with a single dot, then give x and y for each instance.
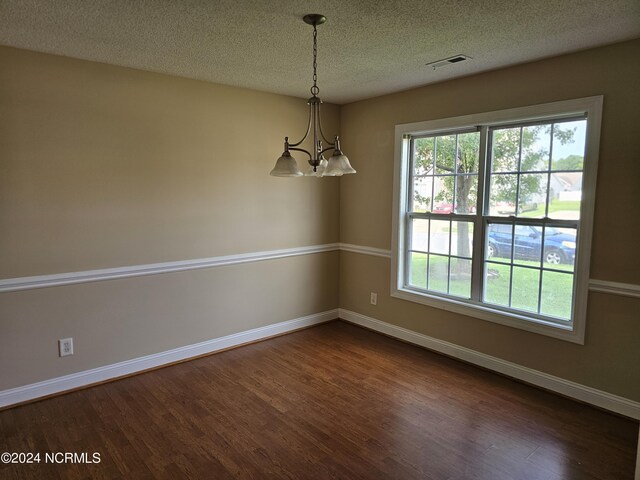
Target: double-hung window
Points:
(493, 214)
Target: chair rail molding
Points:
(57, 279)
(615, 288)
(602, 286)
(69, 278)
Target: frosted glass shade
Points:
(319, 171)
(338, 165)
(286, 166)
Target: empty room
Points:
(319, 240)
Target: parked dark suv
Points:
(560, 247)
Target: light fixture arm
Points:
(292, 146)
(321, 132)
(314, 118)
(306, 133)
(302, 150)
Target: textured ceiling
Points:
(366, 48)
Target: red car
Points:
(444, 208)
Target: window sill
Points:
(485, 312)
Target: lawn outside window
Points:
(493, 214)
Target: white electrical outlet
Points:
(374, 298)
(65, 346)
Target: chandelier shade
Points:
(319, 171)
(338, 164)
(286, 166)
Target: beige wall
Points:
(116, 320)
(102, 166)
(611, 354)
(105, 166)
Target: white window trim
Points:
(592, 106)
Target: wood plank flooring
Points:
(330, 402)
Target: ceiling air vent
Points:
(448, 61)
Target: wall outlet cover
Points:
(65, 347)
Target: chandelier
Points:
(338, 164)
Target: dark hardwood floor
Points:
(330, 402)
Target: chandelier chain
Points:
(315, 90)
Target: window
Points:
(493, 213)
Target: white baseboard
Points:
(570, 389)
(559, 385)
(109, 372)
